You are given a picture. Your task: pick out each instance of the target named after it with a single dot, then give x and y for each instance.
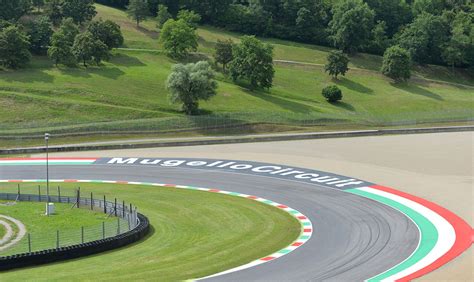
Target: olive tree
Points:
(187, 84)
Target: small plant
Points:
(332, 93)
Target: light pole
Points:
(46, 139)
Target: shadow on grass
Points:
(286, 104)
(26, 76)
(109, 72)
(354, 86)
(150, 33)
(343, 105)
(126, 61)
(414, 89)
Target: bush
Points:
(332, 93)
(396, 64)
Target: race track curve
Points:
(361, 231)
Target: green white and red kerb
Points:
(306, 225)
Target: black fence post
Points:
(123, 209)
(105, 205)
(78, 196)
(118, 225)
(115, 207)
(29, 243)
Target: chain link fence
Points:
(121, 218)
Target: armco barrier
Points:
(79, 250)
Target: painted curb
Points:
(306, 225)
(444, 237)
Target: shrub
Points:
(332, 93)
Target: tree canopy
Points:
(396, 63)
(253, 61)
(106, 31)
(14, 45)
(178, 38)
(351, 25)
(138, 10)
(337, 64)
(187, 84)
(223, 52)
(87, 48)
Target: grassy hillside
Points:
(132, 87)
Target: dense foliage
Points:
(337, 64)
(332, 93)
(179, 38)
(440, 32)
(190, 83)
(223, 54)
(253, 61)
(396, 63)
(14, 45)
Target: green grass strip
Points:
(428, 233)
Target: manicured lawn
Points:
(67, 220)
(194, 234)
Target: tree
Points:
(394, 13)
(39, 31)
(337, 63)
(223, 54)
(253, 60)
(12, 10)
(190, 83)
(87, 48)
(14, 45)
(190, 17)
(351, 25)
(380, 40)
(332, 93)
(138, 10)
(79, 10)
(38, 4)
(162, 16)
(60, 50)
(424, 38)
(106, 31)
(178, 38)
(460, 46)
(69, 29)
(396, 63)
(53, 9)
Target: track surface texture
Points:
(354, 238)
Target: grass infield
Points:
(194, 234)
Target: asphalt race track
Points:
(355, 238)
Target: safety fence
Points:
(122, 224)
